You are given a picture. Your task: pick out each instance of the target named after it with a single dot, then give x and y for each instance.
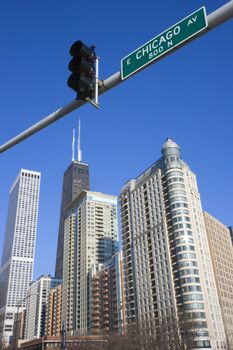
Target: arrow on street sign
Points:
(163, 43)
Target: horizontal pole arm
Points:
(214, 19)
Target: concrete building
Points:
(19, 328)
(72, 343)
(90, 238)
(107, 297)
(75, 180)
(19, 248)
(231, 233)
(169, 276)
(53, 312)
(37, 298)
(222, 259)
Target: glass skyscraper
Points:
(19, 248)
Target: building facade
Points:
(53, 312)
(19, 328)
(37, 298)
(231, 233)
(90, 238)
(76, 179)
(222, 259)
(19, 248)
(169, 277)
(107, 297)
(72, 343)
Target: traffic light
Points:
(83, 77)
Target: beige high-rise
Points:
(90, 238)
(107, 297)
(53, 312)
(167, 261)
(222, 260)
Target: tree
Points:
(123, 342)
(172, 334)
(3, 343)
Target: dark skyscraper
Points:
(75, 180)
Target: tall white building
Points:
(37, 298)
(90, 238)
(169, 277)
(19, 248)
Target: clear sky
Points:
(187, 96)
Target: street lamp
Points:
(63, 337)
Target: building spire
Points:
(73, 143)
(79, 142)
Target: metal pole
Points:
(97, 81)
(63, 337)
(51, 118)
(221, 15)
(214, 19)
(15, 332)
(42, 343)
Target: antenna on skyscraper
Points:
(73, 143)
(79, 142)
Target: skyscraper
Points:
(53, 312)
(107, 297)
(231, 233)
(75, 180)
(38, 296)
(169, 278)
(19, 248)
(222, 257)
(90, 238)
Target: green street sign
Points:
(163, 43)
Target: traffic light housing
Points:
(82, 66)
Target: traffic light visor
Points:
(79, 48)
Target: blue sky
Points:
(187, 96)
